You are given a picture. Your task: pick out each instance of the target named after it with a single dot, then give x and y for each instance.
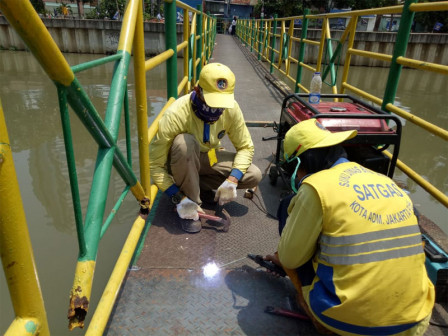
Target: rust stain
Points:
(11, 264)
(77, 311)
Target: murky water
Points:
(30, 105)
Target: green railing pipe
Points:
(94, 63)
(83, 107)
(401, 44)
(302, 50)
(114, 211)
(171, 44)
(105, 156)
(73, 176)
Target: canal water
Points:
(30, 105)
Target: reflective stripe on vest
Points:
(371, 246)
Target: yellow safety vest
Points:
(370, 277)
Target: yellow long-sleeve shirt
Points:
(180, 118)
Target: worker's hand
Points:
(226, 192)
(187, 209)
(273, 258)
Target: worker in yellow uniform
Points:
(350, 242)
(187, 160)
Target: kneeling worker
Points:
(186, 160)
(351, 243)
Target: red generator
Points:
(375, 132)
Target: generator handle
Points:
(299, 96)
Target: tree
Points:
(108, 8)
(39, 6)
(283, 8)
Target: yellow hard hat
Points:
(217, 82)
(311, 134)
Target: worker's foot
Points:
(208, 197)
(191, 226)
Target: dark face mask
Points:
(203, 111)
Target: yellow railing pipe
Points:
(141, 103)
(181, 85)
(159, 59)
(15, 245)
(182, 45)
(25, 21)
(429, 6)
(440, 132)
(152, 130)
(106, 303)
(128, 26)
(23, 327)
(308, 67)
(350, 30)
(186, 33)
(361, 12)
(439, 68)
(437, 194)
(321, 46)
(362, 93)
(370, 54)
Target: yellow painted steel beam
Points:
(351, 29)
(429, 6)
(137, 189)
(310, 42)
(159, 59)
(290, 34)
(321, 45)
(128, 26)
(141, 101)
(370, 54)
(153, 128)
(362, 93)
(440, 132)
(334, 88)
(362, 12)
(436, 193)
(181, 85)
(292, 59)
(186, 33)
(182, 45)
(306, 90)
(27, 23)
(15, 245)
(80, 293)
(283, 31)
(106, 303)
(308, 67)
(186, 7)
(23, 327)
(434, 67)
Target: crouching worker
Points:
(350, 242)
(186, 160)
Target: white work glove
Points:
(187, 209)
(226, 192)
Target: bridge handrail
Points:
(260, 35)
(197, 48)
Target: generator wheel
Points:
(273, 175)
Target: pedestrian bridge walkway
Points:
(203, 284)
